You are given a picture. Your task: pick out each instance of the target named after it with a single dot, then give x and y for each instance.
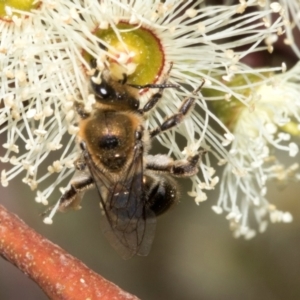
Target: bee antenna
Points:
(124, 80)
(82, 146)
(102, 46)
(155, 86)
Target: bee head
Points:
(109, 91)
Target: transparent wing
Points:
(129, 225)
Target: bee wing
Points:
(129, 225)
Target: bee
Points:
(134, 187)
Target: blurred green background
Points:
(194, 255)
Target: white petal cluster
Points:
(44, 71)
(290, 11)
(262, 132)
(37, 90)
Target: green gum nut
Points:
(291, 128)
(228, 110)
(141, 46)
(24, 5)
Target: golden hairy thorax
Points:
(110, 137)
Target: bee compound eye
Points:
(103, 90)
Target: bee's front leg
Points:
(174, 120)
(79, 107)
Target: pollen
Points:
(56, 167)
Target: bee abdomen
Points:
(162, 193)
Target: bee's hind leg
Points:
(177, 168)
(71, 198)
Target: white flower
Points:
(36, 85)
(290, 10)
(203, 43)
(266, 125)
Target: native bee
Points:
(133, 187)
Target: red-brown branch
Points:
(60, 275)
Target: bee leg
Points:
(157, 96)
(177, 168)
(79, 107)
(71, 198)
(172, 121)
(176, 119)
